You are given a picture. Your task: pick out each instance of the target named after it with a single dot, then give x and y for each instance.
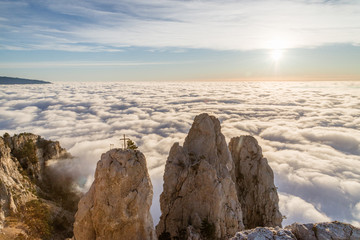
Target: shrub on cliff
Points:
(27, 151)
(131, 145)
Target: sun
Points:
(276, 54)
(276, 47)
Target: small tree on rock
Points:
(131, 145)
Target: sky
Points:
(309, 131)
(99, 53)
(163, 40)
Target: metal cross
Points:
(124, 141)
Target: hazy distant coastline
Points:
(11, 80)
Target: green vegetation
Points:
(43, 143)
(36, 216)
(165, 236)
(131, 145)
(181, 234)
(6, 135)
(27, 151)
(25, 134)
(314, 228)
(207, 229)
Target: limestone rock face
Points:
(15, 190)
(118, 202)
(23, 168)
(312, 231)
(321, 231)
(254, 184)
(198, 189)
(32, 152)
(267, 233)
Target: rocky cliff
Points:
(28, 202)
(32, 152)
(254, 184)
(118, 202)
(297, 231)
(199, 195)
(15, 189)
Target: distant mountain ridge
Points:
(12, 80)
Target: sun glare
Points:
(277, 47)
(276, 54)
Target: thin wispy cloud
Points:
(79, 64)
(222, 25)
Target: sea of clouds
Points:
(309, 131)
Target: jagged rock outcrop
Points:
(265, 233)
(118, 202)
(199, 195)
(254, 184)
(32, 152)
(22, 157)
(321, 231)
(23, 179)
(15, 189)
(312, 231)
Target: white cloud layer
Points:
(308, 131)
(227, 25)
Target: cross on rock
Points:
(124, 138)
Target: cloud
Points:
(299, 210)
(308, 131)
(338, 140)
(79, 64)
(229, 25)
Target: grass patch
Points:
(36, 216)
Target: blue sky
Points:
(180, 40)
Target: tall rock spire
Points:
(118, 202)
(199, 195)
(254, 184)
